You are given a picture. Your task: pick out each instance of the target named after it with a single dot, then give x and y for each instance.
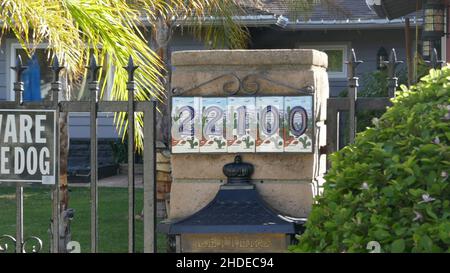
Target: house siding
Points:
(79, 126)
(365, 42)
(3, 67)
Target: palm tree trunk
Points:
(64, 228)
(161, 40)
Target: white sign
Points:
(27, 146)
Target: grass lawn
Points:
(112, 211)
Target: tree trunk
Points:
(161, 40)
(64, 227)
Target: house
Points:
(272, 25)
(355, 25)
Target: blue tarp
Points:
(32, 80)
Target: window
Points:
(79, 86)
(337, 56)
(43, 77)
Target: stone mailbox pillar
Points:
(287, 180)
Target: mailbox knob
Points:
(238, 171)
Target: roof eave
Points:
(360, 24)
(271, 20)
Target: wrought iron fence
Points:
(93, 107)
(352, 104)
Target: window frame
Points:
(343, 46)
(12, 49)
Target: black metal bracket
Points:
(248, 85)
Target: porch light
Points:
(382, 56)
(426, 49)
(434, 20)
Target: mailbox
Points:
(237, 219)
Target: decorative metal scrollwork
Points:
(31, 244)
(248, 85)
(35, 248)
(4, 245)
(232, 85)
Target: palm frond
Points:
(74, 28)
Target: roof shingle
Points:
(340, 10)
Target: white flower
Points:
(444, 174)
(376, 122)
(447, 116)
(364, 186)
(436, 140)
(418, 216)
(426, 198)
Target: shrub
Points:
(392, 184)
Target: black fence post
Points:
(56, 209)
(150, 220)
(56, 83)
(131, 85)
(434, 62)
(391, 67)
(353, 84)
(94, 88)
(18, 84)
(18, 92)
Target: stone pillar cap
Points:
(309, 57)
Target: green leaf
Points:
(444, 232)
(430, 213)
(398, 246)
(381, 234)
(425, 243)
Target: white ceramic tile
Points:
(213, 112)
(185, 124)
(241, 125)
(270, 121)
(298, 124)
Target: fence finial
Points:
(93, 68)
(392, 63)
(130, 68)
(353, 64)
(56, 69)
(435, 63)
(19, 68)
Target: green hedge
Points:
(392, 184)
